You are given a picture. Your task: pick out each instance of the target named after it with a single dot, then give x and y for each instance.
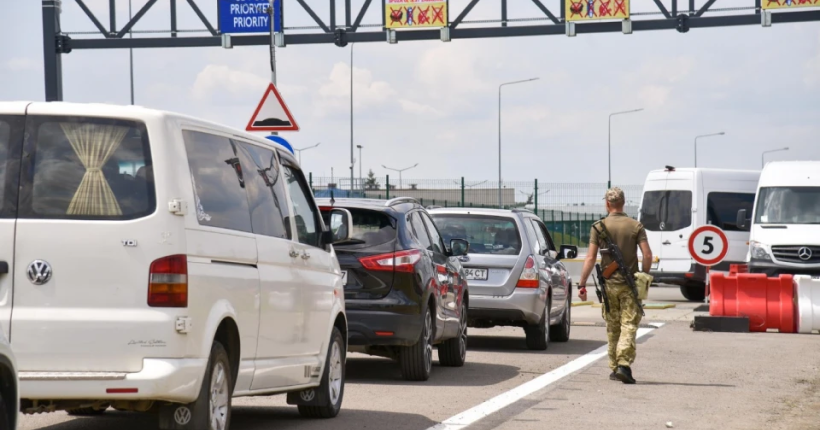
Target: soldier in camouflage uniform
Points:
(624, 308)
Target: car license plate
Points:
(344, 277)
(475, 274)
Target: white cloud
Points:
(333, 96)
(22, 64)
(223, 85)
(653, 96)
(412, 107)
(812, 68)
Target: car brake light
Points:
(402, 261)
(529, 277)
(168, 282)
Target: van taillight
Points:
(168, 282)
(529, 277)
(402, 261)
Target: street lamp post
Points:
(400, 171)
(361, 178)
(499, 131)
(696, 143)
(763, 160)
(609, 144)
(304, 149)
(352, 161)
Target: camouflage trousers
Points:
(621, 323)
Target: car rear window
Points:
(370, 228)
(666, 210)
(89, 168)
(486, 234)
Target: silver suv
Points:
(514, 271)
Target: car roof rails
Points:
(522, 210)
(400, 200)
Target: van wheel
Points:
(212, 409)
(694, 291)
(453, 352)
(417, 360)
(538, 336)
(333, 381)
(87, 412)
(560, 332)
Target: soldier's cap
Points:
(615, 195)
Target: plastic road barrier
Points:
(808, 303)
(767, 302)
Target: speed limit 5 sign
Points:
(708, 245)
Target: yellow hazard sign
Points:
(400, 14)
(594, 10)
(782, 4)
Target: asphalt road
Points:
(376, 397)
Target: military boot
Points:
(613, 377)
(624, 374)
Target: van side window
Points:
(666, 210)
(5, 141)
(308, 227)
(722, 208)
(266, 191)
(88, 169)
(218, 180)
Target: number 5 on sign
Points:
(708, 245)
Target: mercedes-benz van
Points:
(785, 223)
(161, 262)
(676, 202)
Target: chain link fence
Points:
(568, 210)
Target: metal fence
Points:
(567, 209)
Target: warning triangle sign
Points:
(272, 114)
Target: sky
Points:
(436, 103)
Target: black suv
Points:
(404, 292)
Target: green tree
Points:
(371, 183)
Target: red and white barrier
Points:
(767, 302)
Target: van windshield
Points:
(666, 210)
(788, 205)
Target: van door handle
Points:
(305, 255)
(293, 253)
(666, 242)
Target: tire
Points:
(694, 291)
(86, 412)
(417, 360)
(212, 409)
(538, 336)
(453, 352)
(333, 381)
(560, 332)
(5, 419)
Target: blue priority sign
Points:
(248, 16)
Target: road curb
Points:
(574, 304)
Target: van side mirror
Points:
(341, 226)
(459, 247)
(741, 219)
(568, 252)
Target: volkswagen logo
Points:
(39, 272)
(804, 253)
(182, 415)
(307, 395)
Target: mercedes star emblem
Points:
(39, 272)
(804, 253)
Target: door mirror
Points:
(741, 219)
(568, 252)
(459, 247)
(341, 226)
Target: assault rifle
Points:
(617, 262)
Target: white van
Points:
(159, 262)
(785, 233)
(676, 202)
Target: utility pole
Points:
(352, 160)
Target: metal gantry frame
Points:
(683, 15)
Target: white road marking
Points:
(503, 400)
